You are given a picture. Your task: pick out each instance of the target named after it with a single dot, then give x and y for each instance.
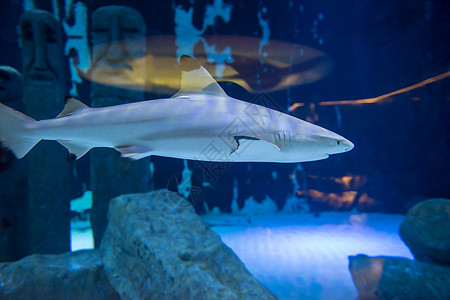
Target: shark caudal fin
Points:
(13, 131)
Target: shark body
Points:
(200, 122)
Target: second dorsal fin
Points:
(196, 80)
(72, 106)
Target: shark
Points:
(200, 122)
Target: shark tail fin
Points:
(13, 131)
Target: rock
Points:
(76, 275)
(156, 247)
(426, 231)
(398, 278)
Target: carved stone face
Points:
(118, 41)
(10, 84)
(42, 48)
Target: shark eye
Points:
(338, 142)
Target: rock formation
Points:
(156, 247)
(426, 231)
(398, 278)
(71, 276)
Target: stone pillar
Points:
(118, 75)
(13, 177)
(43, 94)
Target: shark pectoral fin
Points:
(195, 79)
(238, 139)
(133, 152)
(243, 139)
(74, 149)
(72, 106)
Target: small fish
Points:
(200, 122)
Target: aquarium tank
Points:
(222, 149)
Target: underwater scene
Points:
(223, 149)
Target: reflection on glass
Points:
(117, 38)
(117, 63)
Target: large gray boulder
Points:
(156, 247)
(426, 231)
(76, 275)
(398, 278)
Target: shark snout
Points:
(323, 141)
(346, 144)
(338, 144)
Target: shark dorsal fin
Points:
(72, 105)
(196, 80)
